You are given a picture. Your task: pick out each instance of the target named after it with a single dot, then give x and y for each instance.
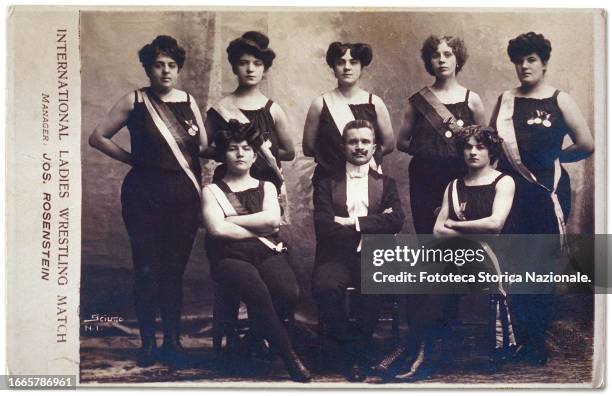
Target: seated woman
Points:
(242, 217)
(478, 203)
(484, 196)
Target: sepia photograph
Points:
(231, 161)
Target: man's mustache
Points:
(360, 152)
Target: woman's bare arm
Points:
(579, 131)
(265, 222)
(383, 119)
(286, 149)
(101, 137)
(502, 204)
(405, 132)
(311, 127)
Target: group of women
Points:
(163, 200)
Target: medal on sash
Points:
(192, 128)
(168, 126)
(505, 127)
(437, 114)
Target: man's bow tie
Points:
(358, 174)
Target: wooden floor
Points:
(107, 354)
(109, 359)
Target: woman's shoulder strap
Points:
(136, 98)
(499, 177)
(269, 104)
(467, 95)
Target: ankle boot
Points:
(147, 355)
(422, 367)
(296, 369)
(390, 364)
(172, 352)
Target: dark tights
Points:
(160, 211)
(269, 290)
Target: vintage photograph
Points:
(233, 158)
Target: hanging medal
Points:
(540, 117)
(547, 122)
(192, 128)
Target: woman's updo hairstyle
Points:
(252, 43)
(360, 51)
(161, 45)
(236, 132)
(529, 43)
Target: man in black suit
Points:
(356, 200)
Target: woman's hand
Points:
(216, 223)
(265, 222)
(440, 228)
(502, 204)
(405, 132)
(449, 223)
(200, 123)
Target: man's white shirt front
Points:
(357, 193)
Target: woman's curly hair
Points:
(161, 45)
(236, 132)
(485, 135)
(430, 45)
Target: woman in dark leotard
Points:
(322, 137)
(484, 194)
(242, 216)
(435, 159)
(533, 119)
(484, 199)
(250, 58)
(160, 194)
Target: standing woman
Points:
(330, 112)
(250, 58)
(160, 194)
(533, 120)
(242, 217)
(433, 118)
